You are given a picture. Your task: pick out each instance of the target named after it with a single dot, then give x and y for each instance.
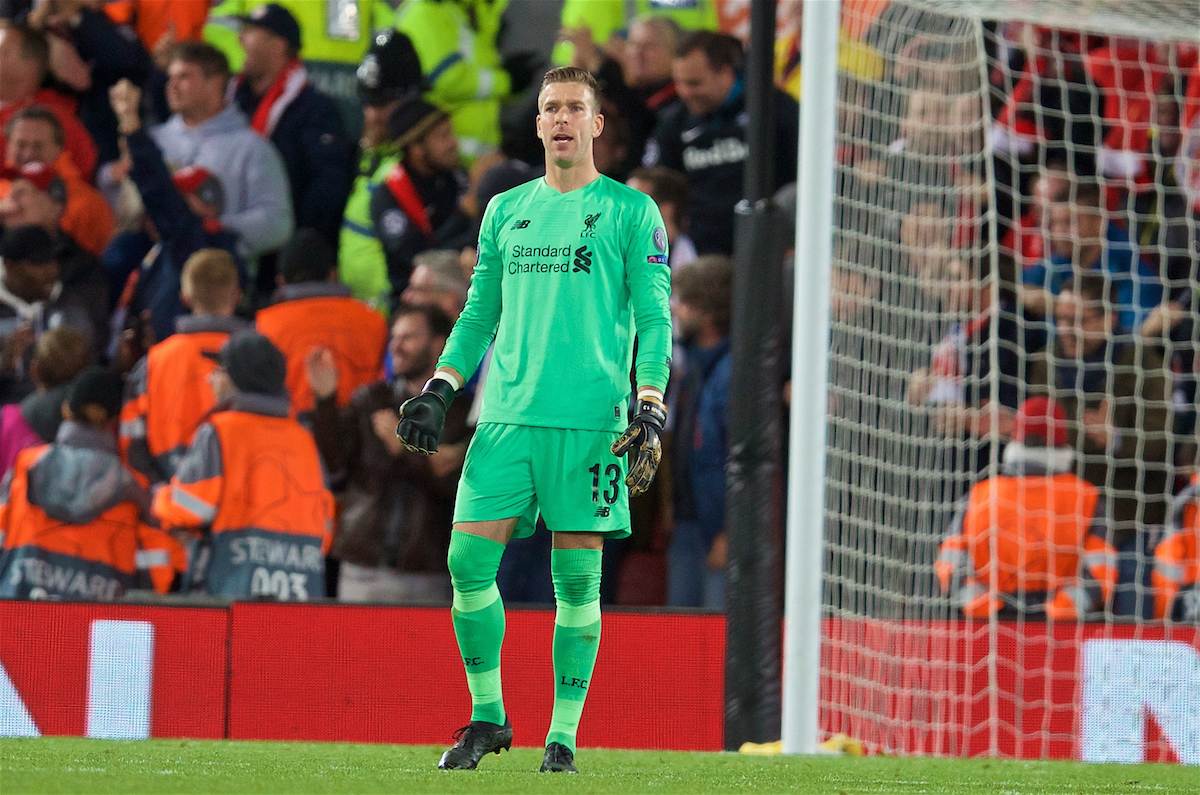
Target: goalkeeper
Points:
(570, 267)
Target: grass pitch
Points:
(70, 765)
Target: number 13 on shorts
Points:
(613, 482)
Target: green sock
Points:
(576, 574)
(478, 615)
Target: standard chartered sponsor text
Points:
(519, 251)
(542, 253)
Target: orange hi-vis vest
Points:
(168, 401)
(1177, 558)
(354, 332)
(47, 558)
(1042, 540)
(258, 487)
(153, 19)
(161, 558)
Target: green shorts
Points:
(570, 477)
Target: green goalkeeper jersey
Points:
(563, 283)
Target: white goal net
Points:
(1014, 350)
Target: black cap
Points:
(412, 120)
(254, 364)
(28, 244)
(307, 257)
(278, 20)
(96, 386)
(390, 70)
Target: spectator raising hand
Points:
(322, 373)
(126, 101)
(186, 212)
(397, 506)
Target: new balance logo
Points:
(520, 224)
(602, 512)
(583, 260)
(589, 225)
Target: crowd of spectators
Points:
(1091, 307)
(269, 291)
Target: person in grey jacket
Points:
(206, 131)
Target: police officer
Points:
(389, 73)
(456, 40)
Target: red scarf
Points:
(287, 87)
(401, 186)
(661, 97)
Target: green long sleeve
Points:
(563, 284)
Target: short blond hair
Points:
(59, 355)
(572, 74)
(209, 280)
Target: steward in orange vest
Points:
(72, 515)
(312, 310)
(167, 394)
(1176, 574)
(1047, 527)
(251, 486)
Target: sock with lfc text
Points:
(478, 615)
(576, 574)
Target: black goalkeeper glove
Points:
(422, 417)
(644, 437)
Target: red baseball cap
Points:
(202, 183)
(43, 177)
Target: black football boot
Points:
(474, 741)
(559, 759)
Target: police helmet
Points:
(390, 70)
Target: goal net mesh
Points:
(1015, 218)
